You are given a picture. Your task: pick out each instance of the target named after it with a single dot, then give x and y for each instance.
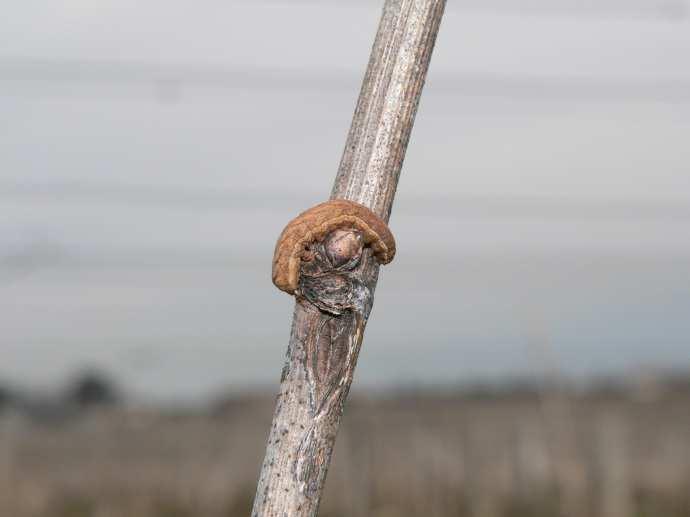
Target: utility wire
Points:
(173, 78)
(265, 199)
(635, 9)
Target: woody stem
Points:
(323, 347)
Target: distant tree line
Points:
(88, 389)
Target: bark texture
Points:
(336, 291)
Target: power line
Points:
(635, 9)
(21, 263)
(453, 206)
(170, 79)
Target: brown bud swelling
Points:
(344, 247)
(315, 225)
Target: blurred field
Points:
(523, 452)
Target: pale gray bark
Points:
(329, 323)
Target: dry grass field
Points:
(512, 454)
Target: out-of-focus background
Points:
(529, 351)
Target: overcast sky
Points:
(150, 153)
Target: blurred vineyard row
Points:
(614, 451)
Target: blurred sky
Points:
(151, 152)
